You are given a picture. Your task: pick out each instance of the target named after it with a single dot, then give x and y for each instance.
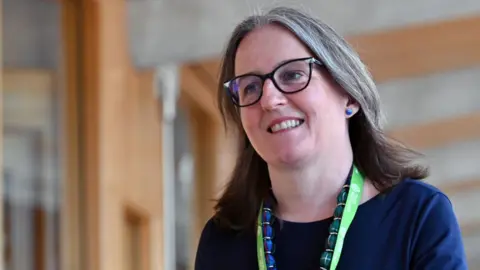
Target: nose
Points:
(272, 98)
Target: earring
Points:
(349, 111)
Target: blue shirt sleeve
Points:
(438, 242)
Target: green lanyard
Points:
(351, 206)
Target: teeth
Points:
(287, 124)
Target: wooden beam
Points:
(421, 49)
(461, 186)
(442, 132)
(72, 220)
(88, 21)
(411, 51)
(212, 68)
(471, 228)
(199, 91)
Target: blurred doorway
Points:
(33, 141)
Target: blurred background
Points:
(112, 146)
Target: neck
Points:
(309, 193)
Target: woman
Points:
(317, 184)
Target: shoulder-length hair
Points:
(382, 160)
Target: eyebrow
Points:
(256, 72)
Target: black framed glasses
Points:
(290, 77)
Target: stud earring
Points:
(349, 111)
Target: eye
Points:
(292, 75)
(250, 89)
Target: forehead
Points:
(265, 47)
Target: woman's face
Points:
(288, 129)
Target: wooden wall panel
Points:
(461, 187)
(214, 159)
(89, 144)
(439, 133)
(421, 49)
(73, 248)
(123, 140)
(124, 137)
(196, 91)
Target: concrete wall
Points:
(172, 30)
(31, 31)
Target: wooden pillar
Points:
(121, 149)
(214, 153)
(214, 149)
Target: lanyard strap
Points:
(351, 206)
(262, 264)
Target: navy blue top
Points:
(412, 226)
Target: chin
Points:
(288, 157)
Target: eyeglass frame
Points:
(270, 75)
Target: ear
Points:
(351, 107)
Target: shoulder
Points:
(436, 240)
(218, 245)
(209, 237)
(214, 233)
(415, 202)
(430, 203)
(206, 245)
(417, 188)
(422, 201)
(418, 193)
(215, 236)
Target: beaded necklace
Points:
(348, 201)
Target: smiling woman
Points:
(316, 177)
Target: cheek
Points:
(250, 120)
(322, 111)
(309, 102)
(320, 99)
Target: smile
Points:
(285, 125)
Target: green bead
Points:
(342, 197)
(331, 241)
(326, 259)
(335, 226)
(338, 211)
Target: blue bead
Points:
(267, 216)
(268, 231)
(268, 245)
(270, 260)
